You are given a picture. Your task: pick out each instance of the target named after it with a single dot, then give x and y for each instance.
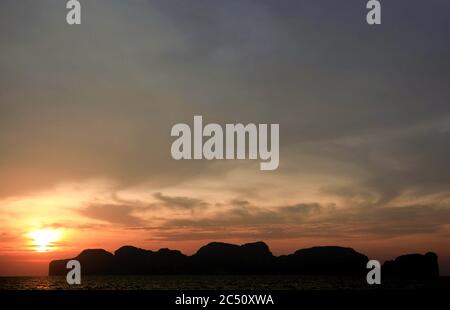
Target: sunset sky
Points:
(86, 113)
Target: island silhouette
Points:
(250, 258)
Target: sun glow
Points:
(44, 240)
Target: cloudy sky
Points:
(86, 113)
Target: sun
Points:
(44, 240)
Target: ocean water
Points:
(193, 282)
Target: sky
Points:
(86, 113)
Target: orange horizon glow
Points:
(56, 226)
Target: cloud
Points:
(6, 237)
(242, 218)
(113, 214)
(399, 221)
(77, 226)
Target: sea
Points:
(200, 282)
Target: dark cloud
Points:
(179, 202)
(131, 213)
(310, 220)
(410, 162)
(313, 67)
(251, 215)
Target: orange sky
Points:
(88, 215)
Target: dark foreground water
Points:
(193, 282)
